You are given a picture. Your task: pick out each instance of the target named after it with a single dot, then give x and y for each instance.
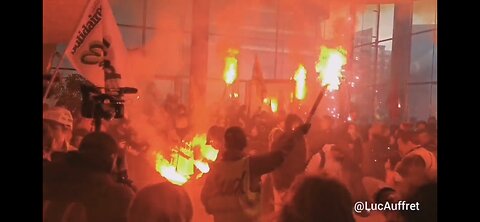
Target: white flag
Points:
(96, 39)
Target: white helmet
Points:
(59, 115)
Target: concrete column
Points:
(401, 47)
(199, 62)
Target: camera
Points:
(96, 104)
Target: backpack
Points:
(60, 211)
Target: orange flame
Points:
(182, 164)
(300, 82)
(202, 166)
(230, 72)
(168, 171)
(329, 66)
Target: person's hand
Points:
(122, 144)
(327, 148)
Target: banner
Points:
(97, 40)
(257, 80)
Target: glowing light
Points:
(207, 151)
(349, 118)
(300, 82)
(266, 101)
(202, 166)
(357, 78)
(329, 66)
(399, 106)
(233, 95)
(182, 164)
(274, 104)
(168, 171)
(230, 72)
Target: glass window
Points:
(169, 52)
(361, 81)
(435, 60)
(422, 58)
(386, 21)
(248, 48)
(367, 18)
(363, 37)
(132, 37)
(419, 101)
(384, 58)
(169, 15)
(424, 12)
(381, 98)
(215, 91)
(66, 63)
(164, 87)
(288, 63)
(363, 65)
(128, 12)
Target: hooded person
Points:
(215, 138)
(379, 192)
(150, 204)
(317, 197)
(294, 163)
(85, 182)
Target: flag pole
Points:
(47, 91)
(55, 73)
(316, 103)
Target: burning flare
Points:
(274, 104)
(300, 85)
(231, 67)
(183, 161)
(329, 66)
(168, 171)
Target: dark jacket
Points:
(293, 165)
(74, 180)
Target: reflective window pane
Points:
(419, 99)
(169, 15)
(128, 12)
(132, 37)
(424, 13)
(422, 58)
(386, 21)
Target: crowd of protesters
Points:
(271, 167)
